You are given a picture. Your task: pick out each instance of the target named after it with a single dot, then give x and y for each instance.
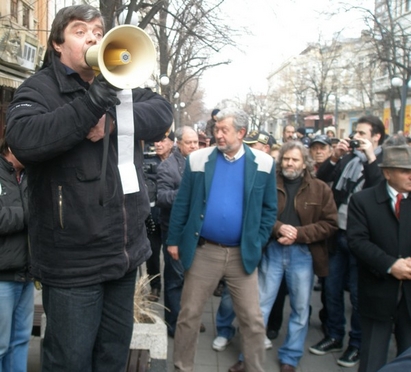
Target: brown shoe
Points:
(238, 367)
(287, 368)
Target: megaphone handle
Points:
(105, 155)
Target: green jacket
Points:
(260, 205)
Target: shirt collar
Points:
(393, 193)
(70, 71)
(237, 156)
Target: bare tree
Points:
(389, 31)
(188, 33)
(320, 74)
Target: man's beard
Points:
(292, 174)
(224, 148)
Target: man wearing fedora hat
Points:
(378, 231)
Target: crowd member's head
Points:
(203, 141)
(65, 43)
(288, 133)
(259, 140)
(370, 127)
(187, 140)
(330, 132)
(294, 159)
(163, 148)
(230, 129)
(320, 149)
(300, 133)
(334, 142)
(396, 166)
(214, 114)
(275, 151)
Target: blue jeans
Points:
(342, 271)
(296, 264)
(173, 287)
(16, 321)
(89, 328)
(225, 316)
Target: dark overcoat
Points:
(377, 238)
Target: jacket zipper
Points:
(125, 232)
(60, 191)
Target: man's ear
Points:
(377, 136)
(56, 47)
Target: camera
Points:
(354, 144)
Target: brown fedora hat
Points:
(396, 157)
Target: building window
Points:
(26, 16)
(13, 9)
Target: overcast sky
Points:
(278, 32)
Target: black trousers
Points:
(376, 337)
(153, 263)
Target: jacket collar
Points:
(66, 82)
(381, 193)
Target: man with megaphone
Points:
(87, 204)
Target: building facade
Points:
(23, 35)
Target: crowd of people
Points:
(316, 234)
(233, 211)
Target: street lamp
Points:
(157, 84)
(164, 80)
(399, 82)
(178, 106)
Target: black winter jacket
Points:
(169, 174)
(13, 227)
(74, 240)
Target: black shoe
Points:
(202, 328)
(219, 290)
(325, 346)
(350, 358)
(272, 334)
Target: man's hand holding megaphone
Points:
(102, 95)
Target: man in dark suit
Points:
(378, 230)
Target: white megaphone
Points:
(126, 57)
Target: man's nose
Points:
(91, 38)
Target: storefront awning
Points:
(9, 80)
(316, 117)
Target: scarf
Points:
(351, 181)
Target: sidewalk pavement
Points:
(208, 360)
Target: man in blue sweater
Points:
(220, 220)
